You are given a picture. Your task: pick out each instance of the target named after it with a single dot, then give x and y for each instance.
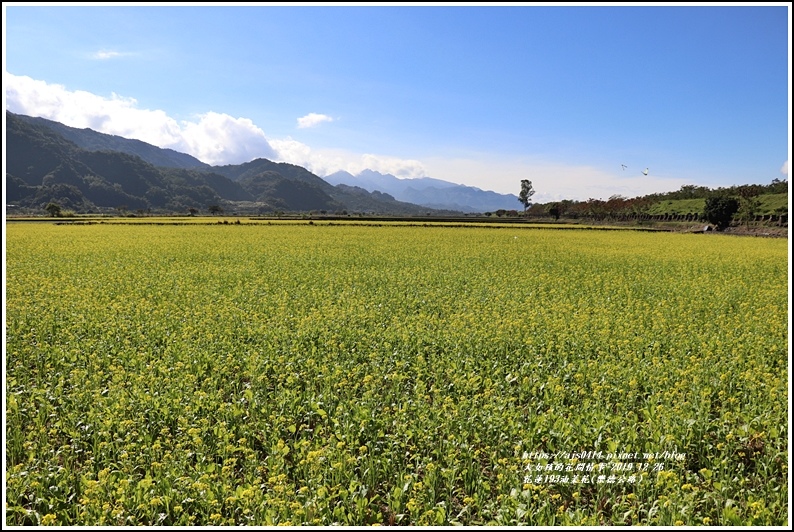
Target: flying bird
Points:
(624, 166)
(645, 172)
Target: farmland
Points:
(318, 374)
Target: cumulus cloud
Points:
(784, 169)
(292, 151)
(221, 139)
(214, 138)
(313, 120)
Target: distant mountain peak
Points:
(427, 191)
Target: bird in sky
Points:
(624, 166)
(645, 172)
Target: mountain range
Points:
(86, 171)
(428, 191)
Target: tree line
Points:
(721, 204)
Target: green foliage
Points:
(555, 209)
(53, 209)
(526, 193)
(700, 192)
(719, 210)
(749, 207)
(677, 206)
(767, 204)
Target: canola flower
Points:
(317, 375)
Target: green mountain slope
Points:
(44, 166)
(91, 140)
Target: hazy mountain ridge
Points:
(44, 166)
(428, 191)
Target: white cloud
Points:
(313, 120)
(406, 168)
(107, 54)
(784, 169)
(292, 151)
(214, 138)
(327, 161)
(221, 139)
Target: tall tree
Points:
(526, 193)
(54, 209)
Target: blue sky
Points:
(480, 95)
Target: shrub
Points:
(719, 210)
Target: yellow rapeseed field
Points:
(253, 374)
